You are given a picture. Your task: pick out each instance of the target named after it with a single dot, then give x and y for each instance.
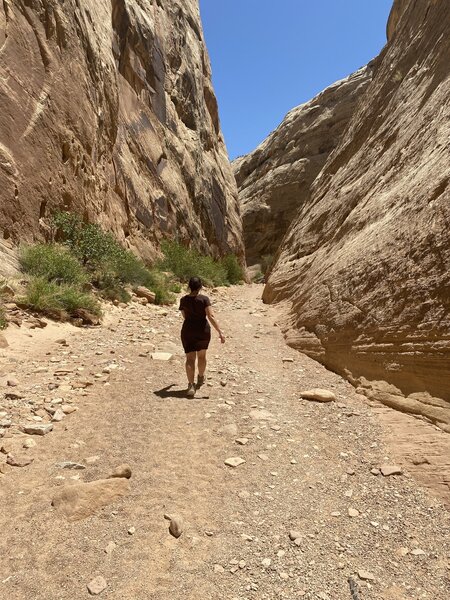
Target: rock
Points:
(131, 531)
(67, 464)
(110, 547)
(81, 500)
(261, 415)
(375, 471)
(38, 428)
(366, 575)
(318, 395)
(164, 356)
(122, 471)
(274, 181)
(7, 290)
(234, 461)
(68, 409)
(242, 441)
(148, 66)
(29, 443)
(18, 461)
(418, 552)
(11, 382)
(266, 562)
(332, 261)
(58, 415)
(176, 525)
(294, 534)
(420, 460)
(97, 586)
(388, 470)
(3, 341)
(352, 512)
(143, 292)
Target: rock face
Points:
(366, 263)
(275, 180)
(107, 109)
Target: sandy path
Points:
(306, 465)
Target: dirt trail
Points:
(306, 465)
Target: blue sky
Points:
(271, 55)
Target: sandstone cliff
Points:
(107, 108)
(366, 263)
(274, 181)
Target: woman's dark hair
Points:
(195, 283)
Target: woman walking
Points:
(196, 332)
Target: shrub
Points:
(52, 299)
(235, 274)
(53, 263)
(3, 322)
(185, 263)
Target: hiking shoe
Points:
(191, 390)
(200, 380)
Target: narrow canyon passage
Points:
(311, 471)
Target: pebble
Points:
(366, 575)
(352, 512)
(67, 464)
(121, 471)
(234, 461)
(38, 429)
(131, 530)
(294, 534)
(388, 470)
(110, 547)
(96, 586)
(176, 525)
(242, 441)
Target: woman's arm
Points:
(214, 323)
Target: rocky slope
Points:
(107, 108)
(366, 263)
(275, 180)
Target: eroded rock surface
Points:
(107, 108)
(274, 181)
(367, 261)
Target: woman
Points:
(196, 332)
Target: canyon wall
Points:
(274, 180)
(366, 263)
(107, 109)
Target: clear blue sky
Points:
(271, 55)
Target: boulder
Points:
(145, 293)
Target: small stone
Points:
(402, 551)
(350, 472)
(29, 443)
(294, 534)
(96, 586)
(417, 552)
(244, 495)
(176, 525)
(318, 395)
(68, 409)
(38, 429)
(352, 512)
(223, 382)
(122, 471)
(110, 547)
(375, 471)
(420, 460)
(266, 562)
(219, 569)
(164, 356)
(58, 415)
(12, 382)
(68, 464)
(18, 461)
(131, 531)
(263, 457)
(234, 461)
(242, 564)
(287, 359)
(366, 575)
(242, 441)
(388, 470)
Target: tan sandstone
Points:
(107, 109)
(274, 180)
(366, 263)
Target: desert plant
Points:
(235, 273)
(63, 300)
(3, 322)
(185, 263)
(52, 262)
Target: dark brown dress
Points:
(196, 332)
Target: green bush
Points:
(52, 299)
(3, 322)
(185, 263)
(53, 263)
(235, 274)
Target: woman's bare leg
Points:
(201, 357)
(190, 366)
